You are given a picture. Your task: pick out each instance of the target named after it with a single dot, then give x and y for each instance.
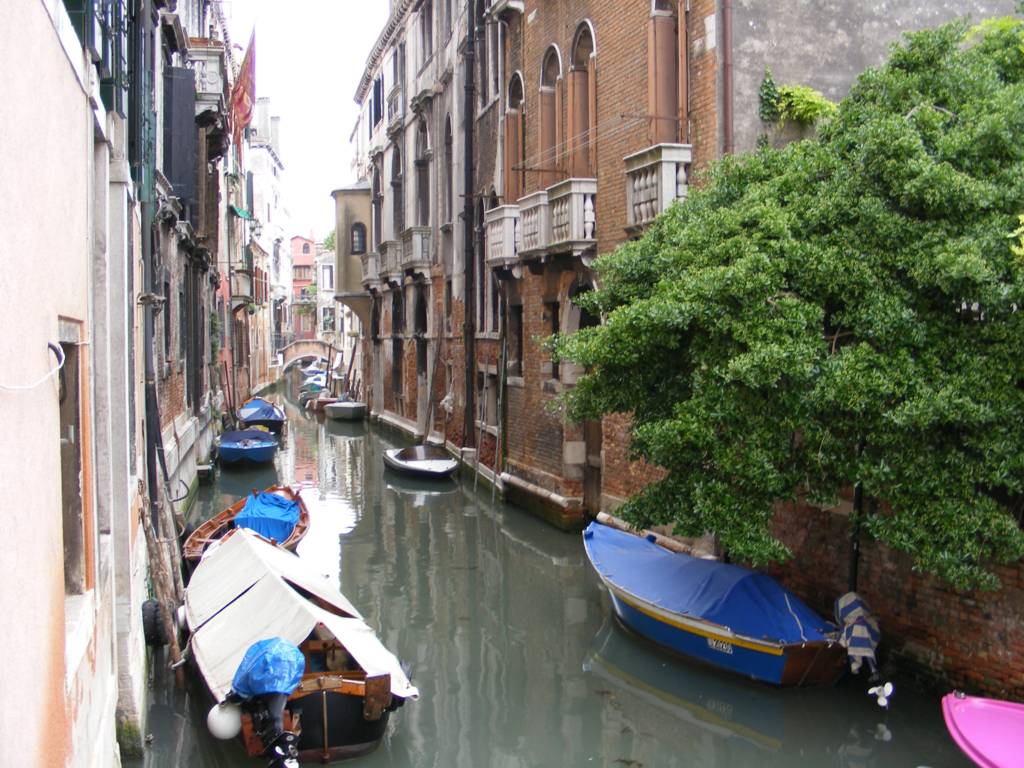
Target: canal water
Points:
(508, 637)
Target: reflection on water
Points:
(505, 629)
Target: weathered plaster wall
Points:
(825, 44)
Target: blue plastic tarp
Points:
(747, 602)
(258, 435)
(269, 666)
(269, 515)
(258, 409)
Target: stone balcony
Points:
(559, 219)
(502, 225)
(655, 177)
(207, 58)
(416, 249)
(241, 288)
(370, 269)
(390, 263)
(573, 216)
(533, 224)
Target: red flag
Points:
(243, 95)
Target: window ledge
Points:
(515, 381)
(486, 107)
(491, 429)
(79, 625)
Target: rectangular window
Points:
(328, 277)
(73, 511)
(327, 321)
(551, 310)
(167, 320)
(515, 340)
(182, 327)
(427, 31)
(448, 305)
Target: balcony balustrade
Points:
(396, 110)
(241, 288)
(533, 224)
(502, 225)
(370, 270)
(207, 59)
(573, 215)
(416, 249)
(655, 177)
(390, 264)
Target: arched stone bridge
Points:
(304, 349)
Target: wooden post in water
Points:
(164, 588)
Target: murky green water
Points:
(507, 633)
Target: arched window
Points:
(550, 116)
(582, 104)
(358, 239)
(666, 85)
(377, 197)
(305, 247)
(449, 170)
(422, 174)
(483, 77)
(515, 140)
(397, 195)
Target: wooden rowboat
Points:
(246, 591)
(345, 410)
(223, 524)
(720, 614)
(424, 461)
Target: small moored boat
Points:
(247, 591)
(425, 461)
(345, 410)
(257, 412)
(987, 730)
(278, 514)
(256, 446)
(717, 613)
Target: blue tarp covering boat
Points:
(261, 413)
(719, 613)
(270, 515)
(253, 445)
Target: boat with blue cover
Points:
(277, 514)
(256, 446)
(257, 412)
(341, 686)
(721, 614)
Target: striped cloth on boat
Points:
(858, 631)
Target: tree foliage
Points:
(329, 241)
(845, 309)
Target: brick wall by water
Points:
(972, 640)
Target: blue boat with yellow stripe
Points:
(714, 612)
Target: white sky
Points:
(309, 58)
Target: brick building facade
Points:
(586, 118)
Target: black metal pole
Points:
(469, 321)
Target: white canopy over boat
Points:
(247, 590)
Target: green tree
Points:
(843, 310)
(329, 241)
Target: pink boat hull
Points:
(989, 731)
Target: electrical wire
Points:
(55, 348)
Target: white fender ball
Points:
(224, 720)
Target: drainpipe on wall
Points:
(727, 105)
(469, 265)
